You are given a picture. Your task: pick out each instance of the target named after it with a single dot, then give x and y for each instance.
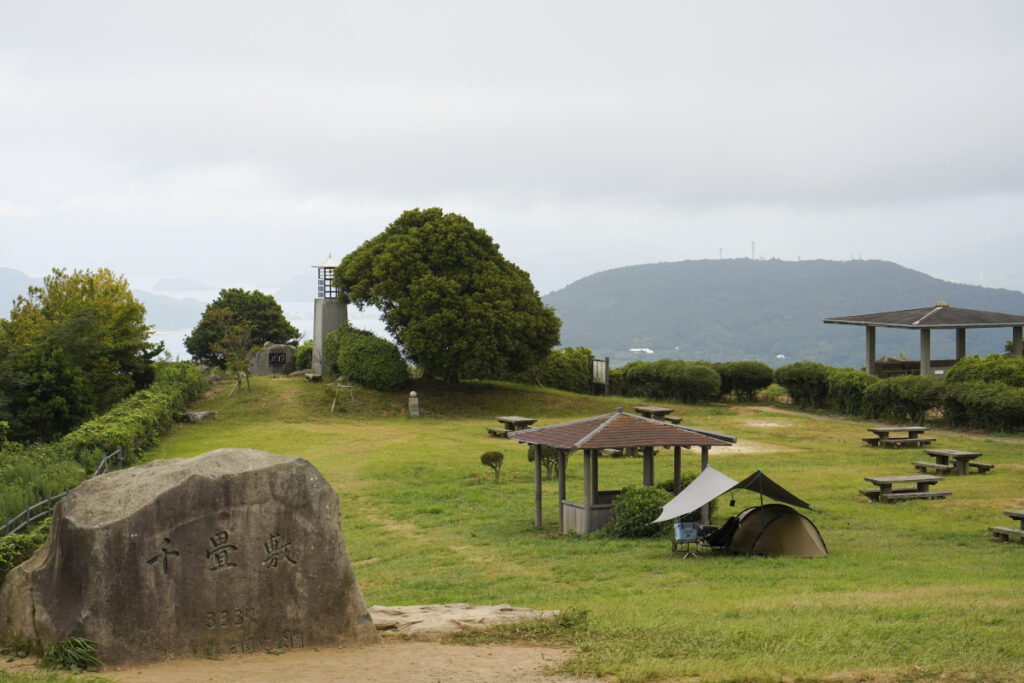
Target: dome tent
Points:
(776, 529)
(773, 529)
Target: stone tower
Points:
(329, 312)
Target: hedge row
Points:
(29, 473)
(691, 382)
(981, 393)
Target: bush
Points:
(984, 405)
(16, 548)
(567, 369)
(846, 389)
(548, 459)
(805, 383)
(745, 378)
(332, 342)
(366, 359)
(304, 356)
(633, 510)
(1008, 370)
(494, 460)
(668, 379)
(906, 398)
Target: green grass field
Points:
(910, 591)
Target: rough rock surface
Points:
(433, 622)
(235, 550)
(200, 416)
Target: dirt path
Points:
(392, 661)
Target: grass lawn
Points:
(910, 591)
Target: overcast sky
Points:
(238, 143)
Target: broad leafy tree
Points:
(70, 350)
(455, 306)
(234, 314)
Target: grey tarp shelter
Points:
(763, 529)
(610, 431)
(942, 316)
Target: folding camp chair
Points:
(685, 535)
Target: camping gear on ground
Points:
(684, 534)
(752, 532)
(776, 529)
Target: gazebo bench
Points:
(982, 467)
(1004, 533)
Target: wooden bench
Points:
(499, 431)
(923, 466)
(673, 420)
(870, 440)
(1004, 533)
(873, 493)
(900, 442)
(982, 467)
(913, 495)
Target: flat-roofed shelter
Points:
(942, 316)
(609, 431)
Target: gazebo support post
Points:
(594, 478)
(705, 511)
(648, 465)
(537, 497)
(588, 494)
(961, 342)
(926, 352)
(561, 490)
(1018, 344)
(869, 347)
(677, 469)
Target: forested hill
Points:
(745, 309)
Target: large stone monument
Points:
(273, 359)
(235, 550)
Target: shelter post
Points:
(648, 465)
(593, 479)
(561, 490)
(588, 493)
(677, 473)
(537, 497)
(926, 352)
(1018, 345)
(869, 339)
(961, 342)
(705, 510)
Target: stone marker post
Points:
(414, 404)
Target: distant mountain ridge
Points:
(746, 309)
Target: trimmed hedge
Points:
(686, 382)
(366, 359)
(906, 399)
(845, 390)
(633, 510)
(1008, 370)
(568, 369)
(304, 356)
(745, 378)
(805, 382)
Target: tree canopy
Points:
(71, 349)
(455, 306)
(235, 315)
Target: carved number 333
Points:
(225, 618)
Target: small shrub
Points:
(633, 510)
(16, 548)
(548, 459)
(74, 654)
(494, 460)
(304, 356)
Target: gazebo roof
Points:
(940, 316)
(618, 430)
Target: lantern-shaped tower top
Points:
(325, 288)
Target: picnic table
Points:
(653, 412)
(509, 424)
(913, 487)
(884, 436)
(960, 465)
(1004, 533)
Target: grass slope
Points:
(911, 591)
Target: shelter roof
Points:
(942, 315)
(618, 430)
(711, 483)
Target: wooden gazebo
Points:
(609, 431)
(942, 316)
